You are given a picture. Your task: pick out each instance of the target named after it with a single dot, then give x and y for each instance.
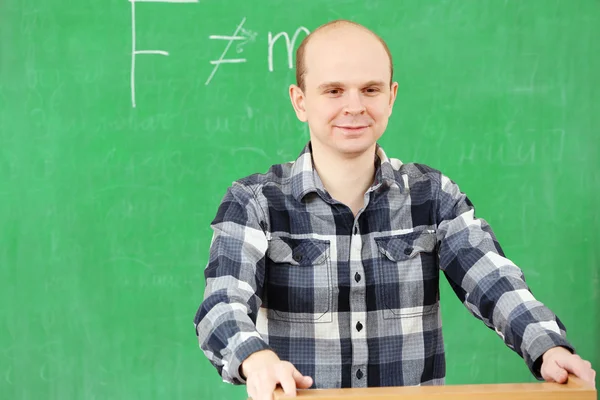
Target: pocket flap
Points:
(408, 245)
(301, 252)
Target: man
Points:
(324, 272)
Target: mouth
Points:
(352, 129)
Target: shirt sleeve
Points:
(226, 320)
(491, 286)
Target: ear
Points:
(393, 93)
(298, 101)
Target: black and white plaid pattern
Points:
(354, 302)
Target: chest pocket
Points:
(408, 274)
(298, 281)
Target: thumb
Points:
(554, 373)
(301, 380)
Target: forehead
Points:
(346, 54)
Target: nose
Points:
(354, 105)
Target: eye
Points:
(334, 91)
(372, 90)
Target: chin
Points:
(354, 146)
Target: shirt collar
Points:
(305, 178)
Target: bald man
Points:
(324, 272)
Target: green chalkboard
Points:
(122, 124)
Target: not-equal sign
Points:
(221, 59)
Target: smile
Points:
(352, 130)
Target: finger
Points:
(578, 368)
(250, 389)
(552, 372)
(584, 373)
(301, 380)
(264, 390)
(560, 375)
(307, 382)
(288, 384)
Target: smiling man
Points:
(324, 272)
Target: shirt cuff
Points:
(539, 346)
(250, 346)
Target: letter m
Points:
(289, 44)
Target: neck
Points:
(345, 177)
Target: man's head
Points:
(344, 87)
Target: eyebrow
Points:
(328, 85)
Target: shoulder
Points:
(244, 196)
(421, 179)
(251, 189)
(414, 173)
(277, 174)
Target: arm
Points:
(226, 320)
(491, 286)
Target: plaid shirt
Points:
(354, 301)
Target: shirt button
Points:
(357, 277)
(359, 326)
(298, 257)
(359, 374)
(408, 250)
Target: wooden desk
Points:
(574, 389)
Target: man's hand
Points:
(264, 371)
(558, 362)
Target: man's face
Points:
(347, 98)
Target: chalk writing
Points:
(515, 150)
(249, 36)
(134, 50)
(278, 126)
(290, 45)
(241, 36)
(221, 60)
